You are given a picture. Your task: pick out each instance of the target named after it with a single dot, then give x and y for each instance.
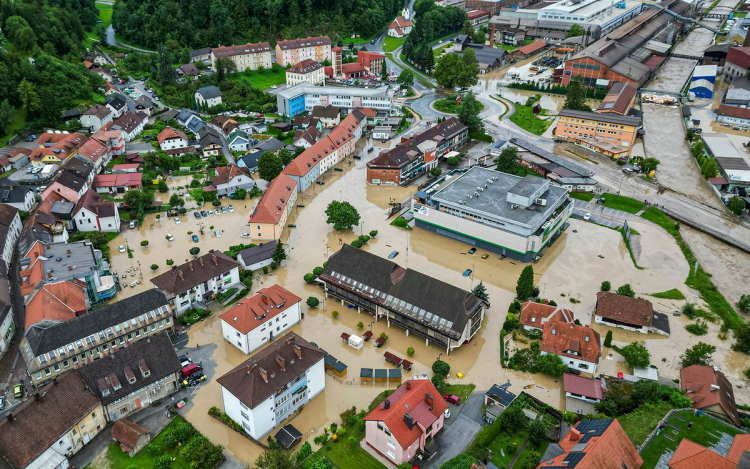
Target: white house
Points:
(230, 178)
(10, 230)
(131, 124)
(257, 257)
(171, 139)
(578, 346)
(20, 197)
(93, 213)
(238, 141)
(197, 281)
(96, 117)
(272, 384)
(117, 104)
(208, 95)
(256, 321)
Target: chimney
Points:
(407, 385)
(408, 420)
(201, 261)
(264, 374)
(298, 351)
(191, 267)
(182, 276)
(10, 417)
(216, 261)
(428, 398)
(386, 404)
(281, 362)
(574, 434)
(264, 298)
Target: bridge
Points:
(674, 94)
(697, 58)
(685, 18)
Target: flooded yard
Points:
(570, 272)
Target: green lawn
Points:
(527, 452)
(439, 51)
(119, 460)
(358, 40)
(524, 117)
(587, 196)
(501, 444)
(391, 43)
(18, 124)
(262, 81)
(105, 14)
(698, 279)
(461, 390)
(619, 202)
(449, 106)
(639, 423)
(673, 294)
(705, 431)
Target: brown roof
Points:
(127, 433)
(734, 111)
(94, 203)
(618, 99)
(261, 308)
(260, 376)
(98, 110)
(7, 214)
(274, 200)
(304, 42)
(624, 309)
(249, 48)
(586, 387)
(571, 340)
(225, 174)
(183, 277)
(410, 398)
(352, 68)
(37, 425)
(168, 133)
(603, 443)
(93, 149)
(129, 121)
(305, 66)
(536, 314)
(707, 387)
(56, 302)
(329, 111)
(533, 47)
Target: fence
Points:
(240, 432)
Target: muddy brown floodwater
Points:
(573, 268)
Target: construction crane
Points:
(683, 18)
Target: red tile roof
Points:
(536, 314)
(605, 446)
(93, 149)
(740, 444)
(624, 309)
(261, 308)
(707, 387)
(365, 58)
(168, 133)
(571, 340)
(689, 455)
(350, 68)
(118, 180)
(535, 46)
(64, 145)
(57, 302)
(273, 203)
(733, 111)
(409, 398)
(587, 387)
(399, 22)
(127, 433)
(125, 167)
(472, 15)
(305, 66)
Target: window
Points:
(391, 445)
(57, 367)
(66, 364)
(391, 454)
(75, 360)
(47, 372)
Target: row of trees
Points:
(432, 23)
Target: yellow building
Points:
(270, 215)
(602, 132)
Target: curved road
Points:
(112, 41)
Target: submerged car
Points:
(195, 238)
(122, 248)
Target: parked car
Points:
(224, 209)
(2, 402)
(185, 360)
(195, 238)
(122, 248)
(587, 217)
(472, 250)
(453, 399)
(467, 272)
(627, 170)
(133, 224)
(393, 255)
(170, 237)
(177, 220)
(197, 215)
(190, 369)
(18, 390)
(244, 235)
(217, 233)
(300, 205)
(231, 208)
(320, 183)
(203, 213)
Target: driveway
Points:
(459, 431)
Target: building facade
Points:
(308, 71)
(579, 347)
(583, 127)
(10, 231)
(246, 56)
(268, 220)
(304, 97)
(292, 51)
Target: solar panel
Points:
(572, 459)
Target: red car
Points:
(190, 369)
(453, 399)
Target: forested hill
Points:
(203, 23)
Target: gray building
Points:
(512, 216)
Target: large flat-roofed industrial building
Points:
(305, 96)
(512, 216)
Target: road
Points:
(112, 41)
(459, 431)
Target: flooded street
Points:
(665, 141)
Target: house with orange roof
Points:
(256, 321)
(399, 27)
(690, 455)
(94, 151)
(113, 139)
(55, 148)
(406, 421)
(267, 221)
(710, 391)
(117, 183)
(593, 444)
(93, 213)
(535, 315)
(174, 142)
(578, 346)
(56, 302)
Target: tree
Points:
(551, 365)
(626, 290)
(276, 458)
(513, 418)
(649, 164)
(636, 355)
(479, 37)
(240, 194)
(469, 70)
(525, 285)
(537, 433)
(742, 338)
(342, 215)
(384, 71)
(452, 161)
(744, 303)
(406, 79)
(709, 168)
(29, 97)
(468, 113)
(163, 186)
(6, 115)
(608, 339)
(575, 31)
(279, 254)
(441, 368)
(532, 460)
(175, 200)
(167, 74)
(576, 97)
(269, 166)
(144, 243)
(139, 200)
(446, 71)
(508, 161)
(462, 461)
(480, 291)
(285, 156)
(313, 302)
(698, 354)
(194, 251)
(606, 286)
(736, 205)
(467, 28)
